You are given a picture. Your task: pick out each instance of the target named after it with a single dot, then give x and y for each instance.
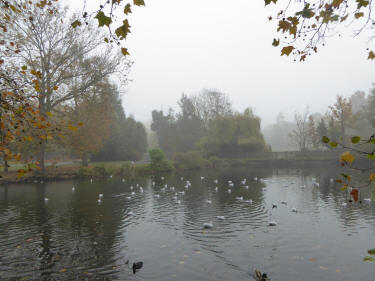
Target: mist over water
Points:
(73, 237)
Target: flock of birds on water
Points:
(258, 275)
(187, 185)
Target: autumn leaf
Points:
(124, 51)
(103, 19)
(356, 139)
(325, 139)
(139, 2)
(275, 42)
(371, 252)
(337, 3)
(267, 2)
(371, 55)
(123, 30)
(28, 138)
(284, 26)
(287, 50)
(302, 58)
(127, 9)
(362, 3)
(358, 15)
(344, 187)
(372, 177)
(347, 157)
(368, 258)
(76, 23)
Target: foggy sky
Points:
(182, 46)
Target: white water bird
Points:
(272, 223)
(100, 195)
(248, 201)
(166, 185)
(91, 180)
(182, 178)
(137, 185)
(367, 199)
(128, 198)
(216, 188)
(171, 188)
(178, 201)
(229, 191)
(123, 180)
(131, 187)
(274, 205)
(73, 188)
(110, 176)
(216, 181)
(153, 183)
(208, 225)
(255, 178)
(99, 201)
(141, 189)
(46, 199)
(182, 192)
(157, 196)
(202, 178)
(295, 210)
(240, 198)
(246, 187)
(220, 217)
(208, 201)
(175, 197)
(132, 194)
(331, 180)
(130, 213)
(162, 178)
(344, 204)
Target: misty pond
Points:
(72, 236)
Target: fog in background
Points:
(183, 46)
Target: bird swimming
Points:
(137, 266)
(207, 225)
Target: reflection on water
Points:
(71, 236)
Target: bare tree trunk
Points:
(6, 166)
(85, 159)
(41, 157)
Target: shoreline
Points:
(128, 170)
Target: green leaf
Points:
(307, 12)
(76, 23)
(356, 139)
(333, 144)
(371, 252)
(368, 258)
(275, 42)
(127, 9)
(103, 19)
(325, 139)
(267, 2)
(371, 156)
(139, 2)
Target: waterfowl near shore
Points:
(137, 266)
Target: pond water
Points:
(71, 236)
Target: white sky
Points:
(186, 45)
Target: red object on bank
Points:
(354, 193)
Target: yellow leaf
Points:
(287, 50)
(55, 88)
(371, 56)
(49, 114)
(28, 138)
(372, 177)
(347, 157)
(344, 187)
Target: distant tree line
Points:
(206, 123)
(346, 117)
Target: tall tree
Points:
(67, 61)
(300, 135)
(342, 113)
